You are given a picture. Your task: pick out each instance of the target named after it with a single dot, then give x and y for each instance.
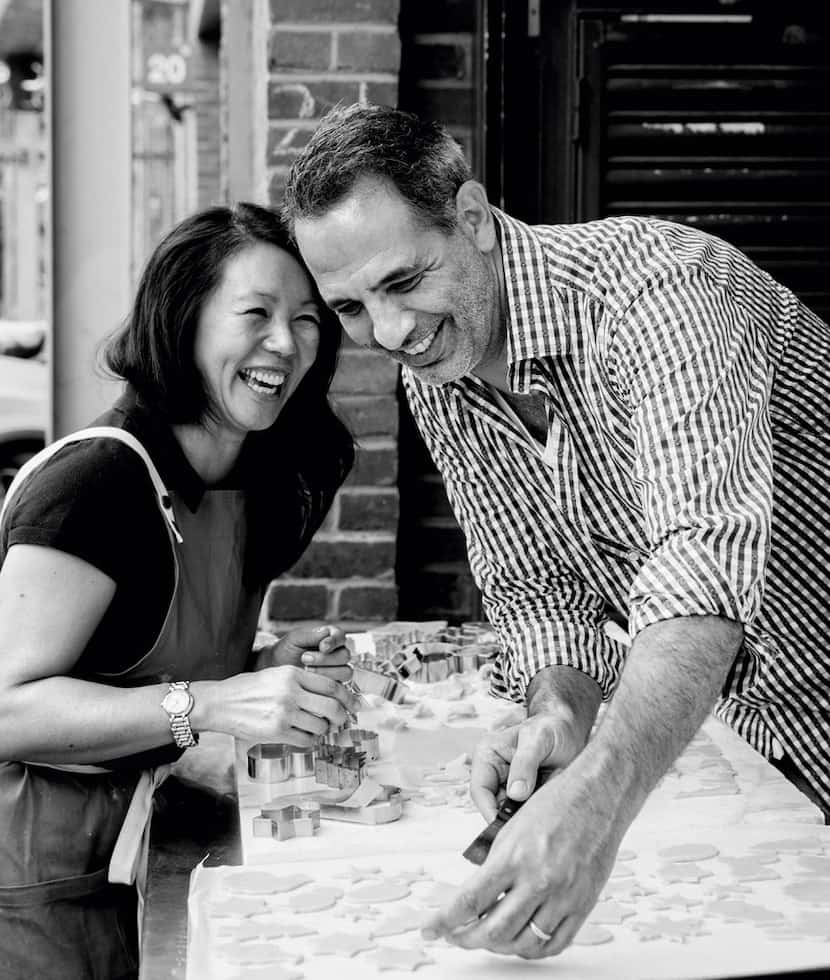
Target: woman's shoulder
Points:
(87, 468)
(85, 489)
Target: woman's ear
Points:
(474, 215)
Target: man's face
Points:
(426, 297)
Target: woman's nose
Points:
(279, 338)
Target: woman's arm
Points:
(50, 605)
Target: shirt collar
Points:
(540, 321)
(134, 414)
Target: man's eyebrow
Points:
(394, 275)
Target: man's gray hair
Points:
(419, 157)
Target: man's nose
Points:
(391, 326)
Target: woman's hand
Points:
(276, 704)
(320, 648)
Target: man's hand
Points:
(562, 705)
(550, 861)
(508, 762)
(547, 864)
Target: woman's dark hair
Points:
(293, 468)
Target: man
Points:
(617, 409)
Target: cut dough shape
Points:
(761, 873)
(815, 925)
(815, 891)
(624, 889)
(408, 877)
(423, 710)
(356, 913)
(433, 799)
(276, 972)
(798, 845)
(356, 874)
(591, 935)
(293, 930)
(403, 920)
(342, 944)
(262, 931)
(732, 890)
(263, 883)
(675, 930)
(315, 899)
(737, 911)
(609, 913)
(688, 852)
(622, 871)
(626, 855)
(724, 789)
(395, 958)
(431, 748)
(441, 893)
(683, 902)
(379, 891)
(752, 860)
(462, 710)
(686, 871)
(819, 865)
(241, 953)
(236, 908)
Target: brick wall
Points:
(321, 52)
(439, 80)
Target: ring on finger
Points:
(540, 934)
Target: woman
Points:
(135, 560)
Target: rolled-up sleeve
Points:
(543, 608)
(693, 369)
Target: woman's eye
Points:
(256, 311)
(307, 320)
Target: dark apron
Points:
(61, 916)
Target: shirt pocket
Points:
(625, 553)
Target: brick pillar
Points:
(322, 52)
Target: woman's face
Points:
(257, 336)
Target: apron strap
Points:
(60, 889)
(99, 432)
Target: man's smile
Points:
(424, 344)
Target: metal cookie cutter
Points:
(361, 739)
(371, 682)
(269, 762)
(302, 762)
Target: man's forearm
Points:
(672, 677)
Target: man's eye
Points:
(405, 285)
(348, 309)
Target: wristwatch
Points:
(178, 703)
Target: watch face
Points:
(177, 702)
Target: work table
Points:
(213, 824)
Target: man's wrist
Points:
(570, 694)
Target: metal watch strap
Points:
(183, 734)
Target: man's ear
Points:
(475, 218)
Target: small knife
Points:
(479, 849)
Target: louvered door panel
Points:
(720, 125)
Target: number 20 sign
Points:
(165, 70)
